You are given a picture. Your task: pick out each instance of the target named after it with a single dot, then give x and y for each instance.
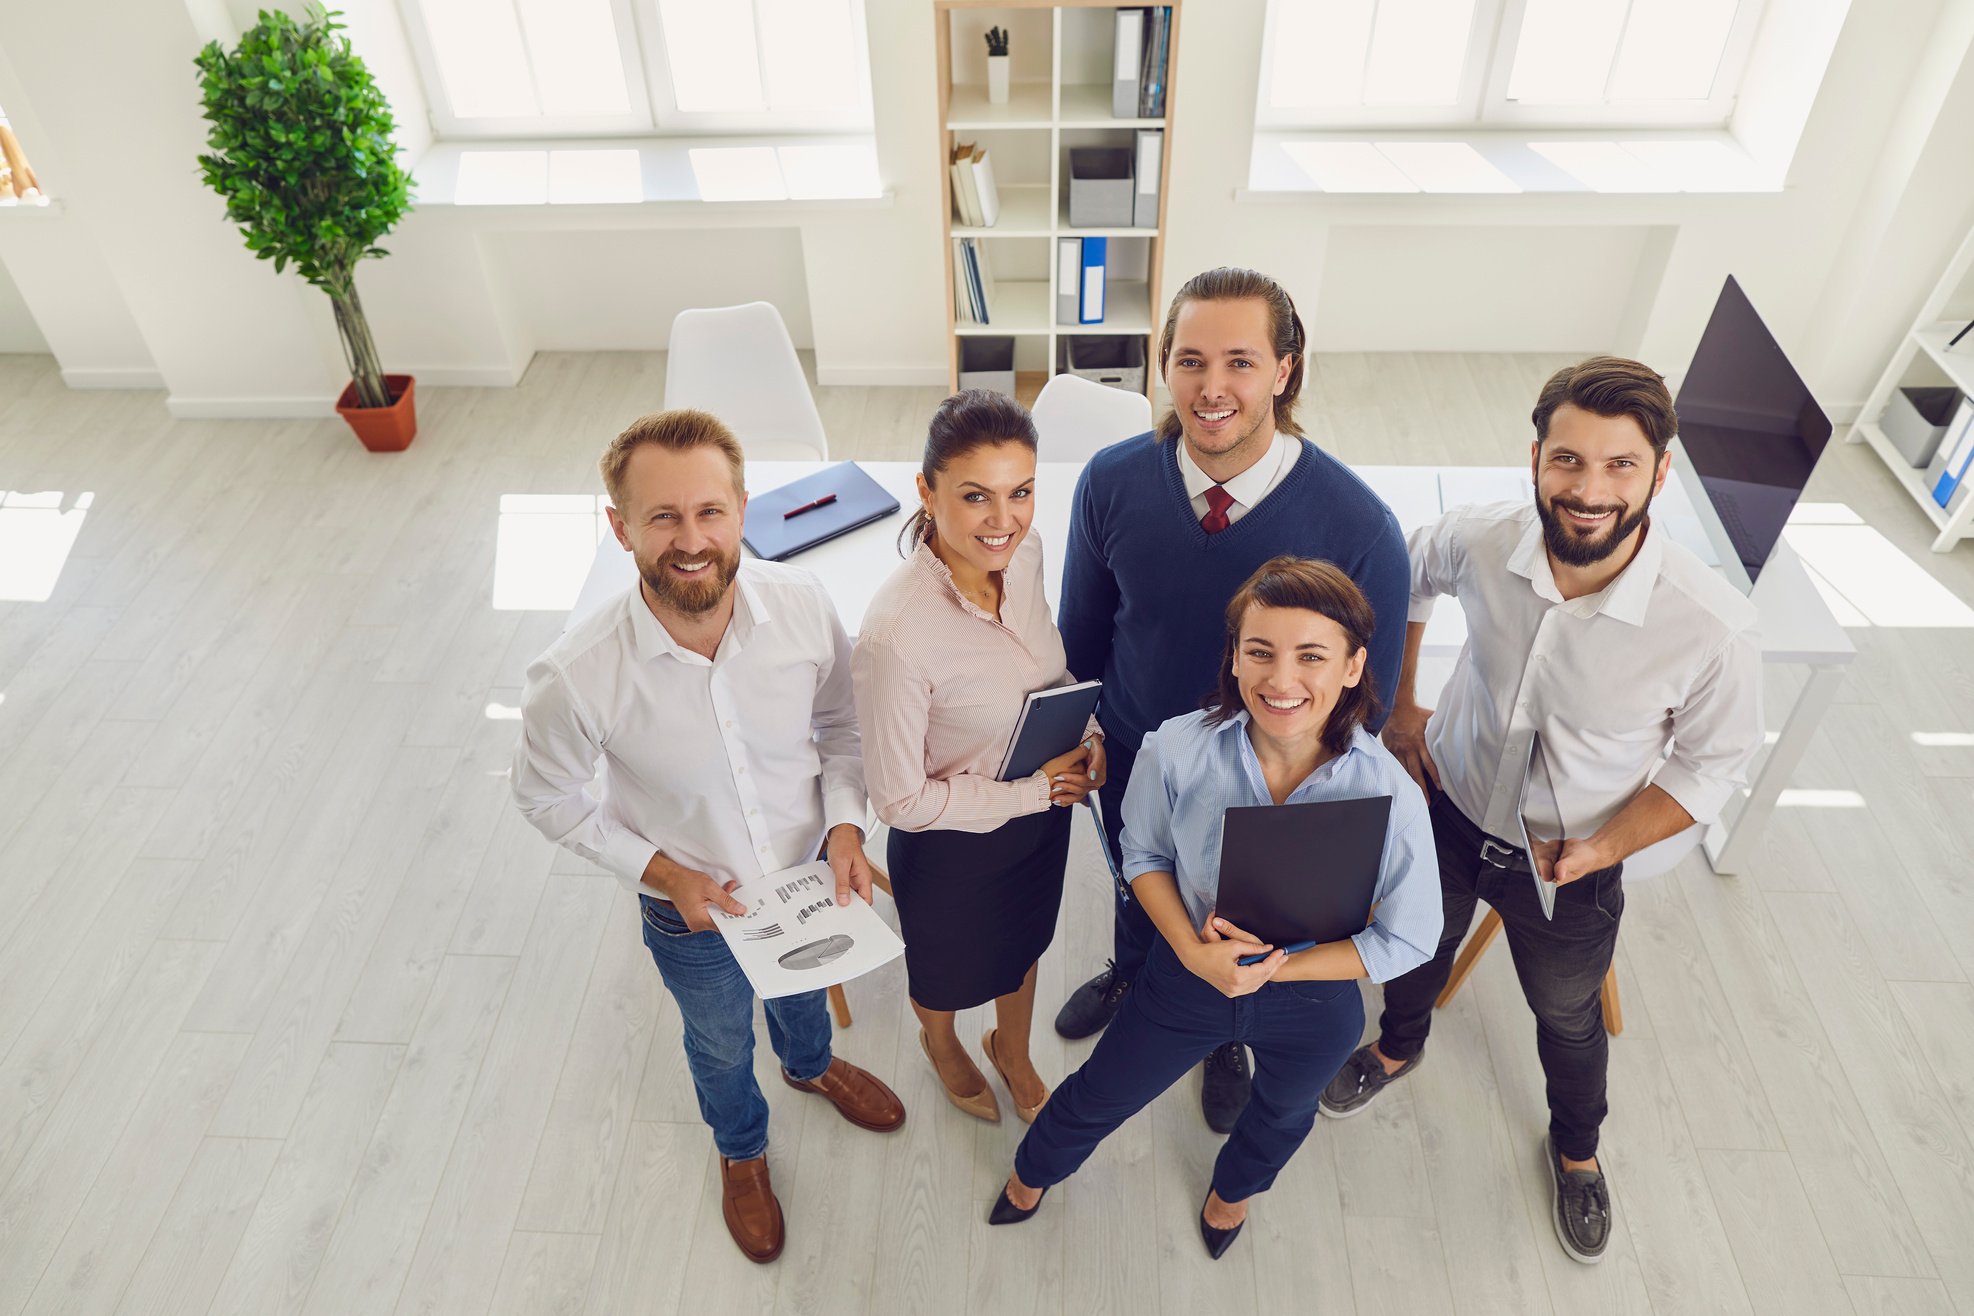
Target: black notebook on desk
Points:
(782, 522)
(1052, 722)
(1302, 872)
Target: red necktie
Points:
(1218, 500)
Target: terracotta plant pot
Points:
(382, 429)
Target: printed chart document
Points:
(794, 937)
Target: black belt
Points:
(1501, 855)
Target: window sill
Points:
(1287, 166)
(696, 175)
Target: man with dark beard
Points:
(1593, 642)
(717, 699)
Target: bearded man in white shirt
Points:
(717, 697)
(1594, 644)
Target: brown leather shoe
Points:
(858, 1096)
(753, 1216)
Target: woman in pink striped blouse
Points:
(948, 651)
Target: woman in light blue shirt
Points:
(1285, 726)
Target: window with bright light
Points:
(1476, 63)
(576, 68)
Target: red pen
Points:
(823, 501)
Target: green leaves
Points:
(300, 146)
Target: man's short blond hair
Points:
(680, 431)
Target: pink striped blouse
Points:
(940, 683)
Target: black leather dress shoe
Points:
(1225, 1088)
(1091, 1007)
(1005, 1212)
(1217, 1240)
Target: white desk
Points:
(1796, 626)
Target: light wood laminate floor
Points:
(296, 1014)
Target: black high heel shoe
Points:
(1005, 1212)
(1217, 1240)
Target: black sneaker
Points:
(1093, 1005)
(1227, 1084)
(1359, 1082)
(1582, 1212)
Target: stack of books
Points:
(975, 199)
(973, 281)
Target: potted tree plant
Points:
(301, 151)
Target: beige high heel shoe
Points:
(1027, 1113)
(981, 1105)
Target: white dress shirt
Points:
(735, 767)
(1666, 653)
(1246, 489)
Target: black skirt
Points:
(977, 909)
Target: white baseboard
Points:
(288, 408)
(903, 376)
(89, 377)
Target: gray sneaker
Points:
(1582, 1211)
(1359, 1082)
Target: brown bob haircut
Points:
(1314, 586)
(1285, 337)
(1611, 386)
(679, 431)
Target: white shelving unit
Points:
(1924, 349)
(1059, 50)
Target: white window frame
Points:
(648, 82)
(1483, 101)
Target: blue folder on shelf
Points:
(1090, 303)
(853, 499)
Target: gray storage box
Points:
(1100, 188)
(1916, 419)
(1114, 359)
(987, 362)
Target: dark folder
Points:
(1052, 722)
(1302, 872)
(776, 536)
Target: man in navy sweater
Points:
(1165, 528)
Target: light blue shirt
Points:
(1189, 773)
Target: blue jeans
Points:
(1301, 1032)
(717, 1005)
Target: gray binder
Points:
(1124, 63)
(1069, 279)
(1144, 209)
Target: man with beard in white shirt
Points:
(1596, 643)
(717, 695)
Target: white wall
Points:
(621, 290)
(1635, 274)
(18, 332)
(1876, 199)
(118, 129)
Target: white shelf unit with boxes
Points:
(1924, 359)
(1061, 58)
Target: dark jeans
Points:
(1561, 965)
(1301, 1033)
(716, 1004)
(1133, 932)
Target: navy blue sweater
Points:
(1145, 590)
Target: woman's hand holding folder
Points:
(1216, 958)
(1075, 774)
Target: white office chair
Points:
(739, 363)
(1075, 417)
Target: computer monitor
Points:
(1751, 433)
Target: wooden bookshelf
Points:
(1057, 98)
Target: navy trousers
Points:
(1133, 932)
(1301, 1033)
